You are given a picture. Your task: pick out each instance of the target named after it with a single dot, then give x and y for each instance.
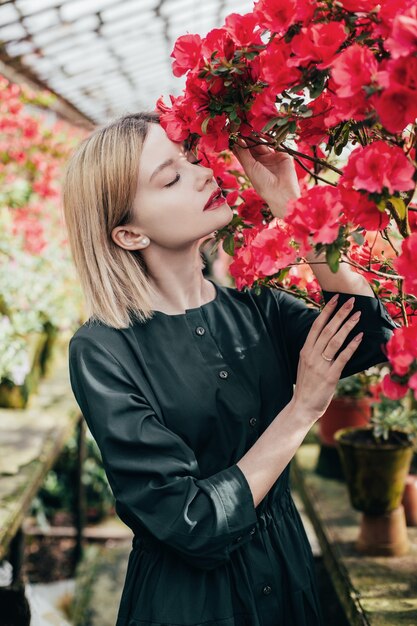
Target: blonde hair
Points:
(98, 192)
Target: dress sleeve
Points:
(153, 473)
(296, 317)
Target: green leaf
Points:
(358, 237)
(273, 122)
(332, 258)
(229, 245)
(399, 206)
(205, 124)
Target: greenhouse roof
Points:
(104, 57)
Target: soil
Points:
(364, 438)
(48, 559)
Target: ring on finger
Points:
(326, 358)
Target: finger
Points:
(320, 322)
(332, 327)
(337, 340)
(339, 363)
(245, 158)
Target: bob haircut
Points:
(98, 192)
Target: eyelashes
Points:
(176, 179)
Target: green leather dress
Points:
(173, 404)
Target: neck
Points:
(178, 279)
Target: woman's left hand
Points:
(271, 173)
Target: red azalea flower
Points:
(220, 41)
(242, 268)
(251, 207)
(276, 15)
(317, 213)
(402, 349)
(244, 29)
(400, 72)
(271, 249)
(216, 138)
(396, 107)
(274, 66)
(355, 6)
(353, 69)
(186, 54)
(361, 211)
(391, 389)
(403, 39)
(405, 263)
(317, 42)
(378, 166)
(412, 216)
(262, 110)
(173, 119)
(312, 129)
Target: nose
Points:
(205, 175)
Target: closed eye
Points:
(176, 179)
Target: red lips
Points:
(214, 196)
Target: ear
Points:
(129, 239)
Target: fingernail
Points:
(358, 337)
(334, 299)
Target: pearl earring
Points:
(144, 240)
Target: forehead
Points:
(157, 147)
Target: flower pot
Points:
(13, 396)
(341, 413)
(48, 351)
(409, 500)
(375, 474)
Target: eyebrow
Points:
(163, 165)
(166, 163)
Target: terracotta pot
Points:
(376, 473)
(409, 500)
(384, 535)
(341, 413)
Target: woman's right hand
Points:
(317, 378)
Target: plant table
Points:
(377, 591)
(31, 440)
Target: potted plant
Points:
(376, 460)
(350, 406)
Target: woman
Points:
(188, 386)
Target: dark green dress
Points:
(173, 404)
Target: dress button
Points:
(266, 590)
(252, 531)
(200, 330)
(223, 374)
(253, 421)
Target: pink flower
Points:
(316, 214)
(392, 389)
(353, 69)
(402, 349)
(360, 211)
(396, 107)
(271, 249)
(276, 15)
(274, 66)
(243, 28)
(403, 39)
(405, 263)
(317, 42)
(186, 54)
(251, 207)
(378, 166)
